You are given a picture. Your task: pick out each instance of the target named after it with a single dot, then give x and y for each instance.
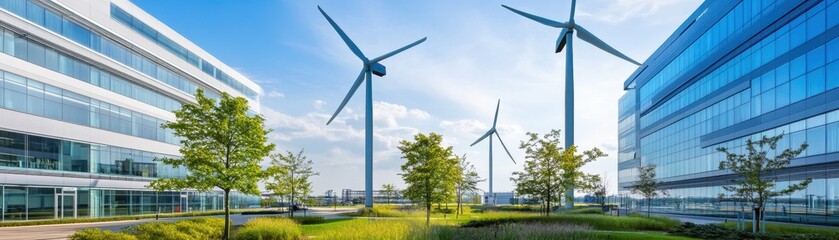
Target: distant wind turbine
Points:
(370, 66)
(489, 134)
(565, 38)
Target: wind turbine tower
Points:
(369, 67)
(565, 38)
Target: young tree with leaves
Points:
(753, 169)
(467, 182)
(647, 186)
(572, 176)
(549, 168)
(390, 191)
(430, 171)
(221, 146)
(289, 175)
(598, 187)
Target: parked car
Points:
(297, 207)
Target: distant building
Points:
(502, 198)
(354, 197)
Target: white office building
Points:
(84, 87)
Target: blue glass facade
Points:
(737, 70)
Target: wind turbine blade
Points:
(539, 19)
(585, 35)
(390, 54)
(344, 36)
(484, 136)
(560, 42)
(573, 8)
(505, 147)
(496, 113)
(354, 87)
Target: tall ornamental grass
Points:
(269, 228)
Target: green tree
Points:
(647, 186)
(430, 171)
(289, 175)
(466, 183)
(549, 168)
(572, 176)
(390, 191)
(755, 180)
(598, 187)
(221, 146)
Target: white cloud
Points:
(388, 113)
(318, 104)
(275, 94)
(616, 11)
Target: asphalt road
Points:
(61, 231)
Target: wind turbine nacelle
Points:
(378, 69)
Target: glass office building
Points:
(84, 87)
(737, 70)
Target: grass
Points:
(638, 236)
(786, 228)
(395, 228)
(269, 228)
(599, 222)
(489, 223)
(119, 218)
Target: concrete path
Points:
(61, 231)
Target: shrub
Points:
(587, 210)
(600, 222)
(377, 229)
(197, 228)
(98, 234)
(379, 211)
(306, 220)
(269, 228)
(719, 231)
(514, 231)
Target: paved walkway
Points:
(61, 231)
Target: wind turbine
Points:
(489, 134)
(565, 38)
(370, 66)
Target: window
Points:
(815, 58)
(75, 156)
(43, 152)
(14, 93)
(816, 140)
(782, 95)
(815, 82)
(41, 203)
(833, 137)
(35, 98)
(36, 54)
(798, 89)
(833, 71)
(815, 25)
(14, 205)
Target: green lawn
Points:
(390, 222)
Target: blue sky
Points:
(476, 53)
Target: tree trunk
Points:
(649, 206)
(291, 209)
(756, 223)
(548, 208)
(226, 234)
(427, 214)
